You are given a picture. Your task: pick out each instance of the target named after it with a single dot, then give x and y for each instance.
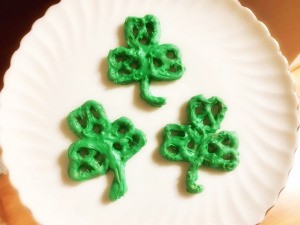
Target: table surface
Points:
(281, 17)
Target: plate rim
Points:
(249, 12)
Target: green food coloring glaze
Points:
(144, 60)
(103, 146)
(198, 142)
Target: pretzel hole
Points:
(117, 146)
(97, 128)
(206, 121)
(94, 112)
(157, 62)
(173, 149)
(212, 148)
(170, 54)
(83, 152)
(134, 65)
(99, 158)
(135, 31)
(123, 72)
(81, 121)
(200, 109)
(177, 133)
(173, 69)
(85, 168)
(121, 57)
(135, 140)
(227, 142)
(191, 145)
(123, 129)
(216, 109)
(228, 156)
(149, 28)
(144, 41)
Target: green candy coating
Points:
(144, 59)
(198, 143)
(102, 146)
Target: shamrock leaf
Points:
(144, 59)
(126, 138)
(89, 120)
(206, 114)
(102, 146)
(87, 159)
(124, 66)
(220, 151)
(142, 32)
(165, 63)
(180, 142)
(198, 143)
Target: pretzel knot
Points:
(144, 59)
(198, 143)
(102, 146)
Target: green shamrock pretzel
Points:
(102, 146)
(198, 143)
(144, 59)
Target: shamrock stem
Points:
(118, 187)
(147, 96)
(192, 177)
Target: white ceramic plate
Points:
(227, 53)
